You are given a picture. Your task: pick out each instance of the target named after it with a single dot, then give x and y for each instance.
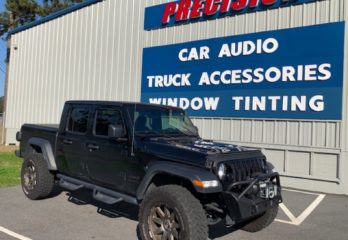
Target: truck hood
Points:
(195, 151)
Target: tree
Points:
(18, 12)
(50, 6)
(4, 22)
(21, 12)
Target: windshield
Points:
(151, 120)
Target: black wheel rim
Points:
(29, 176)
(164, 223)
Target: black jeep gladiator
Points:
(151, 156)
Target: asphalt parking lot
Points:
(78, 216)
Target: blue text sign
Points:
(293, 73)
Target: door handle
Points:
(92, 147)
(67, 142)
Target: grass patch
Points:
(10, 168)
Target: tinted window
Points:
(78, 119)
(104, 118)
(160, 120)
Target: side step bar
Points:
(69, 185)
(105, 198)
(99, 193)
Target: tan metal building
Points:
(95, 51)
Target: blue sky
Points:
(2, 57)
(3, 54)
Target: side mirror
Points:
(116, 131)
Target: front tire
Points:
(261, 222)
(37, 182)
(172, 212)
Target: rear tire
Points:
(261, 222)
(37, 181)
(172, 211)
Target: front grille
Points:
(244, 169)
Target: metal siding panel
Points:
(216, 129)
(207, 128)
(331, 135)
(269, 132)
(41, 53)
(309, 14)
(236, 130)
(121, 50)
(272, 18)
(84, 52)
(261, 22)
(299, 163)
(16, 87)
(246, 130)
(35, 52)
(306, 133)
(257, 131)
(284, 18)
(226, 130)
(61, 63)
(325, 165)
(293, 133)
(13, 115)
(94, 52)
(323, 11)
(296, 16)
(281, 133)
(73, 63)
(89, 52)
(320, 130)
(11, 84)
(277, 158)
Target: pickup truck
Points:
(151, 156)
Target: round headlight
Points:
(221, 171)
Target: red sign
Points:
(185, 10)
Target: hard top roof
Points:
(116, 103)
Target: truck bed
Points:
(45, 127)
(43, 131)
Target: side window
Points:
(78, 120)
(105, 117)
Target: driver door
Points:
(107, 158)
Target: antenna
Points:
(132, 150)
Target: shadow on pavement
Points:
(220, 230)
(122, 209)
(129, 211)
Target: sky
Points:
(3, 54)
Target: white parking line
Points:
(299, 191)
(13, 234)
(300, 219)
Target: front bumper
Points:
(252, 201)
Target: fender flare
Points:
(178, 170)
(47, 151)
